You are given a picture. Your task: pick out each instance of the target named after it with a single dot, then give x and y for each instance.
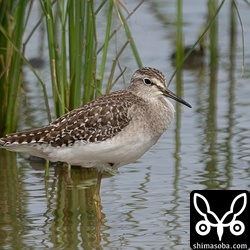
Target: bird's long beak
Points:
(172, 95)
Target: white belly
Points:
(119, 150)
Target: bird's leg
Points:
(67, 175)
(97, 198)
(98, 187)
(47, 168)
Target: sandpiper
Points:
(109, 132)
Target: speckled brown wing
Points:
(96, 121)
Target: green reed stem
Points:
(213, 33)
(59, 102)
(90, 54)
(234, 3)
(76, 23)
(179, 52)
(4, 63)
(130, 38)
(31, 68)
(63, 79)
(10, 78)
(105, 47)
(14, 88)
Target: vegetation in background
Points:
(12, 26)
(77, 55)
(210, 28)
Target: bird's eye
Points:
(147, 81)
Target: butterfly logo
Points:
(203, 227)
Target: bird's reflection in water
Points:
(195, 60)
(70, 191)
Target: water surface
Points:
(146, 204)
